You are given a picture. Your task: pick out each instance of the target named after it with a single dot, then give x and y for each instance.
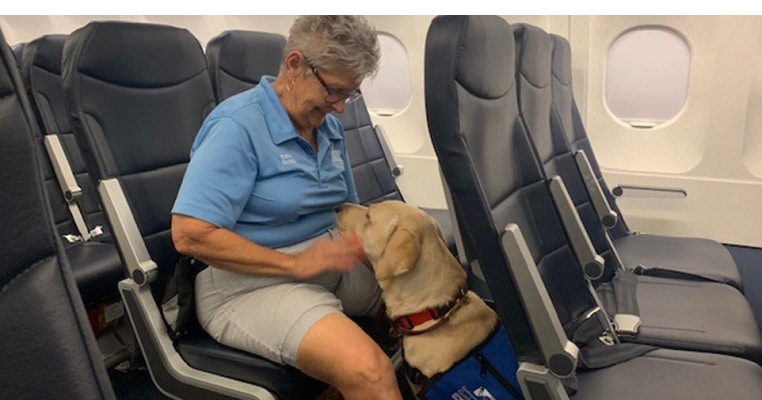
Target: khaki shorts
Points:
(270, 316)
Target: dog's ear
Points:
(400, 255)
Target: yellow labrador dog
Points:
(422, 284)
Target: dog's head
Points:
(394, 235)
(416, 271)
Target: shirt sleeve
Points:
(220, 176)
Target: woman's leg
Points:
(302, 325)
(335, 350)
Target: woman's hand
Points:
(340, 254)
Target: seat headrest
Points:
(46, 52)
(561, 59)
(534, 58)
(158, 55)
(472, 51)
(247, 55)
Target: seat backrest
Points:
(137, 95)
(237, 60)
(370, 166)
(489, 166)
(542, 122)
(576, 135)
(48, 349)
(41, 72)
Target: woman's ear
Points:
(294, 62)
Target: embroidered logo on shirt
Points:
(336, 157)
(287, 159)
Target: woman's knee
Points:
(370, 368)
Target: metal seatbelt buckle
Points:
(97, 231)
(626, 324)
(72, 238)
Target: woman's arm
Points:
(227, 250)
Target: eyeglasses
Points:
(335, 95)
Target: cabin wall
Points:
(712, 149)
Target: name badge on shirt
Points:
(287, 159)
(336, 158)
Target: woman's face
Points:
(319, 92)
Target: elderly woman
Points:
(257, 203)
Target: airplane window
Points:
(647, 72)
(389, 91)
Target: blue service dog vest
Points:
(488, 372)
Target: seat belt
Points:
(596, 357)
(626, 319)
(597, 349)
(669, 273)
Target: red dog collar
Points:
(405, 324)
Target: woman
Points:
(257, 203)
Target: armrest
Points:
(396, 169)
(68, 183)
(559, 353)
(606, 215)
(142, 269)
(591, 262)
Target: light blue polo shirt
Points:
(250, 172)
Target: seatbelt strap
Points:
(596, 357)
(626, 320)
(588, 330)
(669, 273)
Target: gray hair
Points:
(334, 42)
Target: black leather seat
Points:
(693, 256)
(687, 314)
(237, 59)
(96, 264)
(48, 349)
(138, 94)
(487, 161)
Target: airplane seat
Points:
(95, 262)
(238, 59)
(550, 148)
(473, 119)
(48, 348)
(657, 255)
(137, 95)
(693, 315)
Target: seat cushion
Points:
(202, 352)
(673, 375)
(693, 315)
(97, 269)
(698, 256)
